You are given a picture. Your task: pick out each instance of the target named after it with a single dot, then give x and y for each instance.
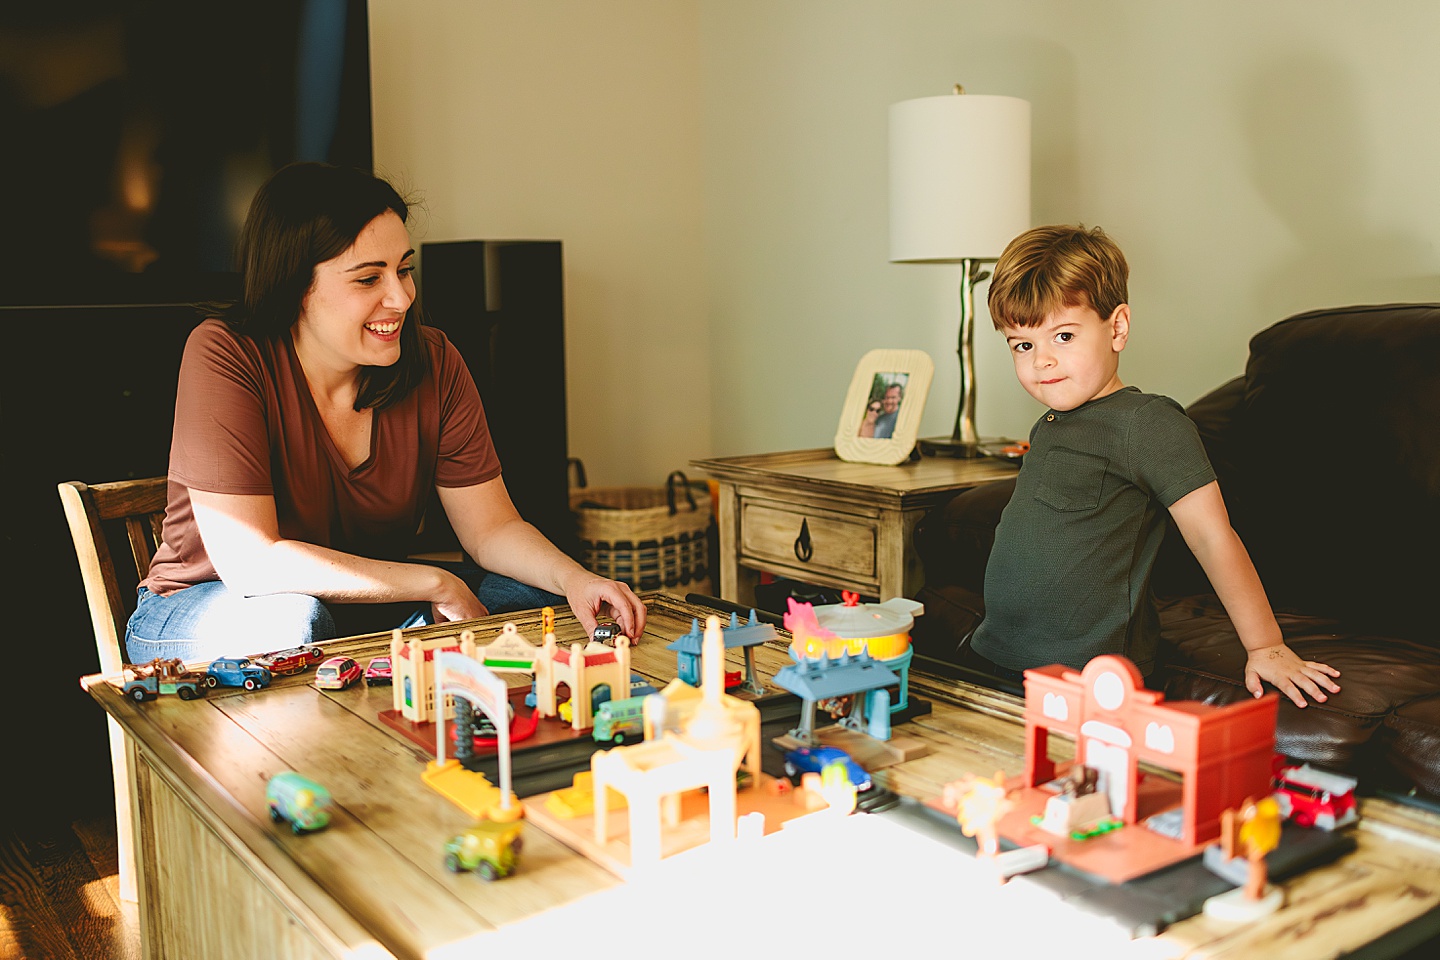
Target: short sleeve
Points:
(220, 442)
(1166, 451)
(466, 453)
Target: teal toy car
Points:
(298, 800)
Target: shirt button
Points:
(1049, 416)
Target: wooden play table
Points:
(218, 879)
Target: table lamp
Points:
(959, 192)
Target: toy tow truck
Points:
(146, 681)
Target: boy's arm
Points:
(1205, 524)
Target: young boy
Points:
(1069, 576)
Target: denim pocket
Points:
(1071, 480)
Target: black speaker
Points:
(502, 303)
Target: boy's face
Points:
(1071, 358)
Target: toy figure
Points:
(1079, 808)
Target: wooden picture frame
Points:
(871, 400)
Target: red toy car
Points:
(337, 673)
(290, 660)
(378, 671)
(1314, 798)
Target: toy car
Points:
(299, 800)
(616, 719)
(804, 760)
(489, 848)
(290, 660)
(146, 681)
(337, 673)
(1314, 798)
(378, 671)
(606, 632)
(236, 672)
(485, 727)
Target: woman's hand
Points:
(589, 594)
(456, 600)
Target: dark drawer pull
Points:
(804, 548)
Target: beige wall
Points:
(717, 170)
(574, 121)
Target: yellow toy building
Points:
(582, 669)
(413, 664)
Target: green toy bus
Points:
(616, 718)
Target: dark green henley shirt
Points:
(1069, 576)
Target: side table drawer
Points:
(838, 544)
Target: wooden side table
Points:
(809, 515)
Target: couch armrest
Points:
(954, 541)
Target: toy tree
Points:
(1252, 832)
(979, 805)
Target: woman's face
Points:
(872, 411)
(352, 314)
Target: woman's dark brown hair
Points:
(305, 214)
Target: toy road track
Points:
(552, 766)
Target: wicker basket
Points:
(652, 538)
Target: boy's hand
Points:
(1283, 669)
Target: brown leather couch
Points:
(1328, 454)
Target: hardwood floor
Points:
(59, 892)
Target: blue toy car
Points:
(237, 672)
(815, 759)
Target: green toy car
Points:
(298, 800)
(489, 848)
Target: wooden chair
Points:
(103, 516)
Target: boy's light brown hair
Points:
(1047, 269)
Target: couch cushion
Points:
(1411, 737)
(1338, 500)
(1378, 677)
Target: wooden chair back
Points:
(107, 519)
(104, 519)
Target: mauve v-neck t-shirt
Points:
(245, 423)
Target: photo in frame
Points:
(881, 416)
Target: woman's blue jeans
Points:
(206, 621)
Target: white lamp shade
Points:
(959, 177)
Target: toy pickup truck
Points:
(146, 681)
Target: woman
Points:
(312, 420)
(872, 413)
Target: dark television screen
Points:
(136, 132)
